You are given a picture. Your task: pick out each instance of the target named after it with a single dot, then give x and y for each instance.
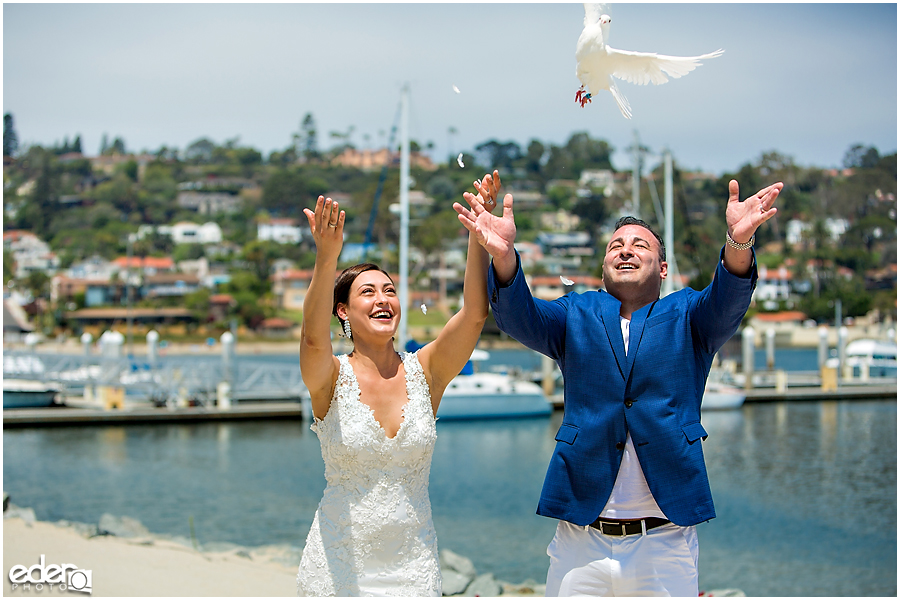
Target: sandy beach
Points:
(140, 566)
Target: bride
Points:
(374, 412)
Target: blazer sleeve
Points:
(721, 306)
(538, 324)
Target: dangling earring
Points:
(347, 332)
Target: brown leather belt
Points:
(622, 528)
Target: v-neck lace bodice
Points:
(373, 533)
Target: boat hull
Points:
(28, 394)
(492, 396)
(722, 398)
(495, 406)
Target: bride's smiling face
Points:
(372, 306)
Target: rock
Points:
(85, 530)
(529, 587)
(125, 527)
(282, 554)
(454, 562)
(484, 585)
(220, 547)
(14, 512)
(176, 539)
(454, 583)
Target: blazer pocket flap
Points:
(694, 431)
(567, 433)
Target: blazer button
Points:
(628, 402)
(620, 446)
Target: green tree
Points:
(259, 256)
(860, 157)
(855, 300)
(247, 289)
(10, 138)
(284, 192)
(38, 283)
(9, 266)
(307, 140)
(40, 207)
(198, 303)
(534, 157)
(587, 153)
(495, 155)
(200, 151)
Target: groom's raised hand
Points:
(495, 233)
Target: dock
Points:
(244, 411)
(67, 416)
(886, 391)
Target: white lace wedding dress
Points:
(372, 534)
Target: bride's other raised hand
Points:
(327, 226)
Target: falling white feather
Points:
(597, 63)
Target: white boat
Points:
(492, 396)
(719, 396)
(24, 393)
(719, 393)
(870, 358)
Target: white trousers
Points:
(584, 562)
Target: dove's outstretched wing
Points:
(642, 68)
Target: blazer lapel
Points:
(635, 332)
(609, 313)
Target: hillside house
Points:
(282, 231)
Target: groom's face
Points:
(632, 262)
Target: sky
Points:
(806, 80)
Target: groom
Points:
(627, 479)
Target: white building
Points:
(186, 232)
(283, 231)
(796, 229)
(598, 178)
(30, 253)
(96, 267)
(773, 284)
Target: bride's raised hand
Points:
(326, 225)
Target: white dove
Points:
(598, 63)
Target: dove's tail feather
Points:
(620, 98)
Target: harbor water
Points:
(806, 492)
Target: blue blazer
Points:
(654, 391)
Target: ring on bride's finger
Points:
(332, 225)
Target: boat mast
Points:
(404, 215)
(636, 176)
(669, 233)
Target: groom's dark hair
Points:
(629, 220)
